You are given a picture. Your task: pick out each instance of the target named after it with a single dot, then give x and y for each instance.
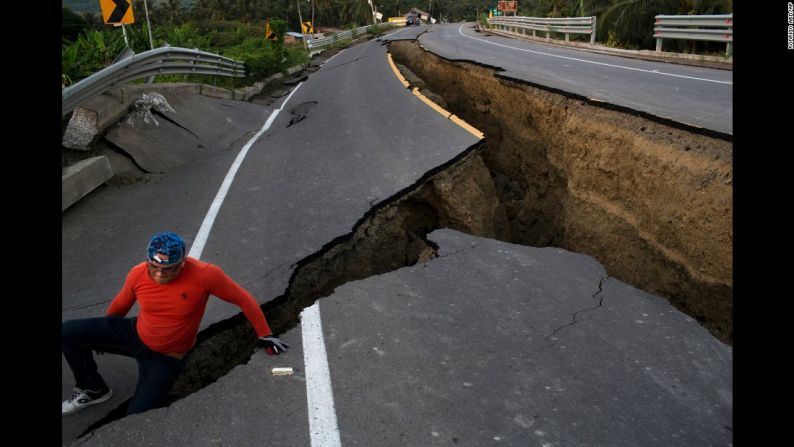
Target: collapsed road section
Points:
(649, 198)
(299, 190)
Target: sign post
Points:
(117, 13)
(300, 20)
(148, 25)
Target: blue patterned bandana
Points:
(168, 244)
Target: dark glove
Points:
(98, 352)
(272, 344)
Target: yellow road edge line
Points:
(430, 103)
(472, 130)
(454, 118)
(396, 71)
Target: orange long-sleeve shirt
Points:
(170, 314)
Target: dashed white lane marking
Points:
(323, 430)
(209, 220)
(322, 416)
(591, 62)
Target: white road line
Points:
(337, 54)
(323, 430)
(322, 416)
(593, 62)
(209, 220)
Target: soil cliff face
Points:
(650, 200)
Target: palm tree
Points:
(322, 5)
(360, 12)
(199, 10)
(219, 9)
(172, 11)
(92, 20)
(247, 9)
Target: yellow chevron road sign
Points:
(117, 11)
(269, 34)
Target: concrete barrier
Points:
(100, 112)
(89, 119)
(83, 177)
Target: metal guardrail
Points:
(336, 37)
(163, 60)
(713, 28)
(566, 25)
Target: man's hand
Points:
(272, 344)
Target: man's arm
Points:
(221, 285)
(124, 300)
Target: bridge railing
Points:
(565, 25)
(159, 61)
(713, 28)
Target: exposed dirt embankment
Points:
(651, 201)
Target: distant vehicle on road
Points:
(412, 20)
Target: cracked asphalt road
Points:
(488, 343)
(456, 352)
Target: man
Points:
(172, 291)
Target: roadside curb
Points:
(83, 177)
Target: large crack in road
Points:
(650, 201)
(390, 236)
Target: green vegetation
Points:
(377, 30)
(235, 28)
(235, 40)
(232, 28)
(91, 52)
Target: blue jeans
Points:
(156, 372)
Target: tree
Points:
(93, 20)
(247, 10)
(279, 27)
(71, 25)
(322, 5)
(171, 12)
(212, 9)
(356, 11)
